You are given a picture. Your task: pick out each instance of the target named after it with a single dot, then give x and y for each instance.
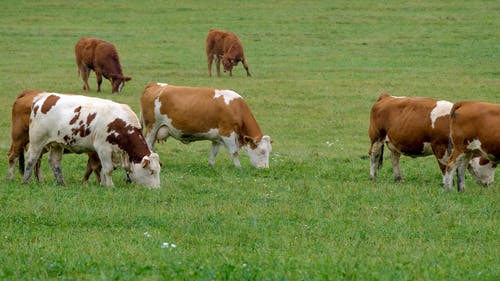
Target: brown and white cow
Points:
(474, 128)
(414, 126)
(82, 124)
(225, 46)
(21, 110)
(101, 57)
(189, 114)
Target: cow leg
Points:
(33, 157)
(245, 65)
(395, 155)
(85, 72)
(215, 150)
(55, 156)
(376, 158)
(232, 145)
(461, 168)
(99, 80)
(107, 167)
(451, 167)
(210, 59)
(217, 64)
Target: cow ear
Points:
(145, 162)
(127, 78)
(250, 141)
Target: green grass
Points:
(317, 68)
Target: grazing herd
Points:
(415, 126)
(111, 133)
(464, 135)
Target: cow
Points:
(101, 57)
(190, 114)
(83, 124)
(474, 128)
(225, 46)
(21, 110)
(414, 126)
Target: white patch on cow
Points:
(474, 145)
(227, 94)
(399, 97)
(427, 150)
(442, 108)
(161, 84)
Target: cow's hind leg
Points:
(85, 72)
(217, 64)
(210, 59)
(55, 157)
(99, 80)
(33, 157)
(376, 158)
(395, 155)
(245, 65)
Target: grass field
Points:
(317, 68)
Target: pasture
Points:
(317, 67)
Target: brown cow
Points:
(21, 110)
(474, 128)
(101, 57)
(415, 127)
(225, 46)
(190, 114)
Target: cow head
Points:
(482, 170)
(259, 151)
(229, 62)
(118, 81)
(147, 172)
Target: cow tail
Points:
(21, 162)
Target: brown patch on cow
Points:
(90, 118)
(35, 110)
(129, 139)
(77, 115)
(82, 129)
(49, 102)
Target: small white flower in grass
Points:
(147, 234)
(164, 245)
(329, 144)
(173, 245)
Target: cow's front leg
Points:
(106, 171)
(55, 157)
(233, 146)
(214, 151)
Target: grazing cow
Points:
(189, 114)
(21, 110)
(474, 128)
(414, 127)
(225, 46)
(83, 124)
(101, 57)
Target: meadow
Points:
(317, 68)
